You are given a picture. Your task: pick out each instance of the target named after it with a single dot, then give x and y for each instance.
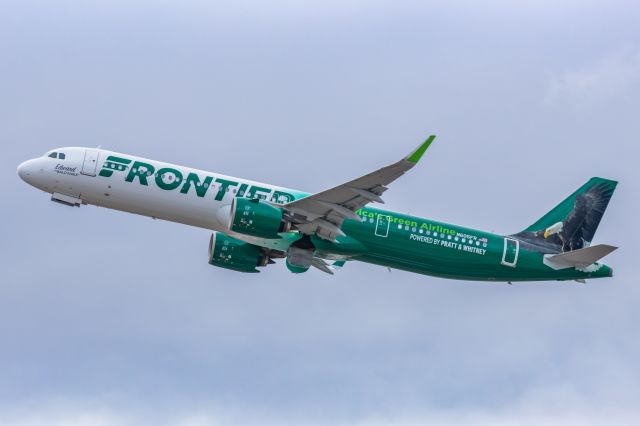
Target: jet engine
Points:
(299, 259)
(230, 253)
(257, 218)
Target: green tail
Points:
(572, 224)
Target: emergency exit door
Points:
(90, 162)
(510, 253)
(382, 225)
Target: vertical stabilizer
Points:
(572, 224)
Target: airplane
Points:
(253, 223)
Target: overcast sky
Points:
(111, 319)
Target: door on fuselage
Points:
(510, 253)
(382, 225)
(90, 162)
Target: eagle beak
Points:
(546, 234)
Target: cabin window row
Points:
(442, 235)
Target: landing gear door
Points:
(382, 225)
(510, 253)
(90, 162)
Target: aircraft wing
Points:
(323, 213)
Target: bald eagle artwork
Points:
(577, 228)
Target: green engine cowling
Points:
(257, 218)
(230, 253)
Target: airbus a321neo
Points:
(253, 223)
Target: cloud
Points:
(96, 303)
(605, 79)
(69, 418)
(552, 406)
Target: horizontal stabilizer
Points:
(580, 258)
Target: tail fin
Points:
(572, 224)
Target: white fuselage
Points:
(146, 187)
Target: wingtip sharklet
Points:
(416, 155)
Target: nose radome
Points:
(25, 170)
(22, 170)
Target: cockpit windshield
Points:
(58, 155)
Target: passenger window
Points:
(61, 156)
(53, 155)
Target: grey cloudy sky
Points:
(112, 319)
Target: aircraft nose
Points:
(25, 170)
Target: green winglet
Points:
(415, 156)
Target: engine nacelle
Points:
(256, 218)
(296, 269)
(227, 252)
(299, 259)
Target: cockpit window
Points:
(59, 155)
